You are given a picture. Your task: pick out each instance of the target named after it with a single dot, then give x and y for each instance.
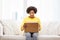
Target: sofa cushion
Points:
(50, 28)
(13, 37)
(7, 28)
(12, 27)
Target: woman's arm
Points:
(22, 25)
(39, 27)
(22, 28)
(39, 22)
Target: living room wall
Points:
(0, 9)
(48, 10)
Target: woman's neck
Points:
(31, 16)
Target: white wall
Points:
(48, 10)
(57, 10)
(0, 9)
(12, 9)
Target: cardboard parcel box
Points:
(31, 27)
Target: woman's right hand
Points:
(22, 28)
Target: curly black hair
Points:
(31, 8)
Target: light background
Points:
(48, 10)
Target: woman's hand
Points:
(22, 28)
(39, 27)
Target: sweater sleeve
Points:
(39, 22)
(22, 28)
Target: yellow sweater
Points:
(31, 20)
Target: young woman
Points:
(31, 18)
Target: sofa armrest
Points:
(1, 29)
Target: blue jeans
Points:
(28, 36)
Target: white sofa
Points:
(10, 30)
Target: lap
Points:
(31, 34)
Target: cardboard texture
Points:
(31, 27)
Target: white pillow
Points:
(7, 28)
(12, 27)
(52, 28)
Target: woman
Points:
(31, 18)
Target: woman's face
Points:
(31, 13)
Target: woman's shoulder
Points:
(26, 17)
(37, 18)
